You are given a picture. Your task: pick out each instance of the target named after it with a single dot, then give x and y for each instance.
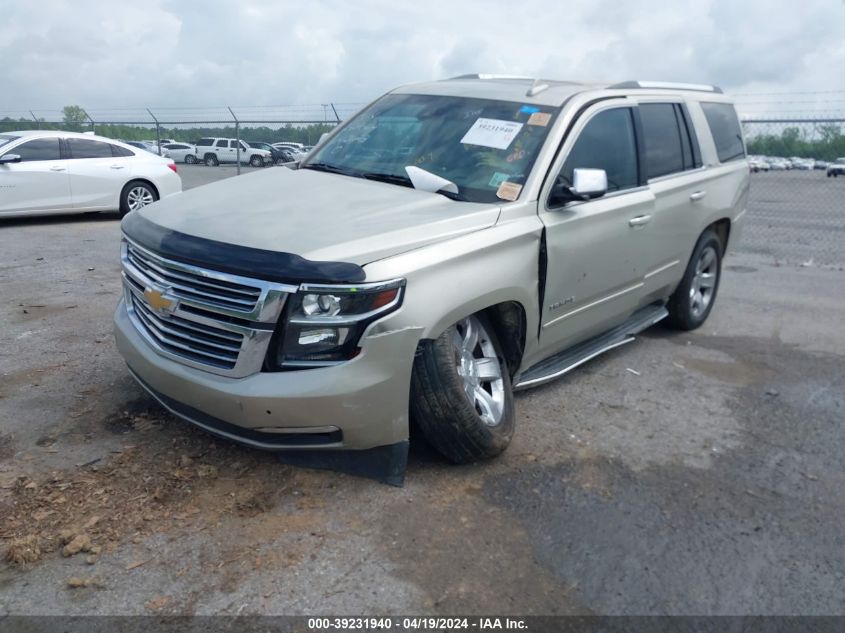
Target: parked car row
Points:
(776, 163)
(213, 151)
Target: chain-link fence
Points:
(796, 213)
(273, 123)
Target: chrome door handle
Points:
(57, 168)
(117, 166)
(695, 196)
(640, 220)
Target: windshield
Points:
(485, 147)
(5, 139)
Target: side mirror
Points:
(9, 158)
(587, 184)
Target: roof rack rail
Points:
(489, 76)
(627, 85)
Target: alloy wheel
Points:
(478, 366)
(139, 197)
(704, 281)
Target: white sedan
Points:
(182, 152)
(48, 171)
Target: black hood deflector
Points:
(234, 259)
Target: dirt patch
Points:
(168, 478)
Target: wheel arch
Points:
(722, 229)
(511, 325)
(146, 181)
(508, 318)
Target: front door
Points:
(224, 154)
(39, 182)
(594, 275)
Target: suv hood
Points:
(318, 216)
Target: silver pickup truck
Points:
(451, 243)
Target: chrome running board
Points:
(559, 364)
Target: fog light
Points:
(314, 337)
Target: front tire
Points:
(190, 159)
(256, 161)
(694, 297)
(136, 195)
(461, 396)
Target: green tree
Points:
(74, 117)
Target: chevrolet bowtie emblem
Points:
(158, 302)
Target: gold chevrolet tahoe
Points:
(451, 243)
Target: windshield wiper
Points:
(393, 179)
(331, 169)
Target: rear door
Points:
(594, 269)
(96, 175)
(676, 178)
(39, 182)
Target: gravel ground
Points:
(708, 482)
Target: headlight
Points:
(322, 324)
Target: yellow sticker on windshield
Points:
(508, 191)
(540, 118)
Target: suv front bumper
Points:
(360, 404)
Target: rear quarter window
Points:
(205, 141)
(117, 150)
(727, 134)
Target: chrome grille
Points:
(205, 319)
(190, 285)
(183, 338)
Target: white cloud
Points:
(155, 52)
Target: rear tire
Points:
(461, 397)
(694, 297)
(190, 159)
(210, 160)
(136, 195)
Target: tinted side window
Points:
(204, 142)
(83, 148)
(222, 143)
(38, 149)
(116, 150)
(661, 139)
(607, 142)
(724, 126)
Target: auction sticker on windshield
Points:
(493, 133)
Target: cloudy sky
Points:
(255, 52)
